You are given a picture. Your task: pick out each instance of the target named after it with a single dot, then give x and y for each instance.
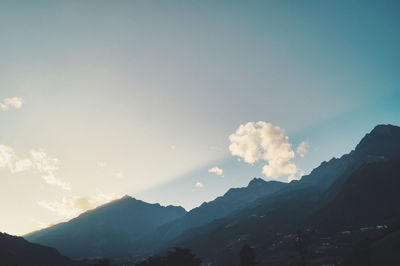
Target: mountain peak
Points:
(256, 182)
(382, 140)
(384, 130)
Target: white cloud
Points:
(22, 165)
(48, 167)
(72, 206)
(8, 103)
(303, 148)
(262, 141)
(199, 185)
(8, 159)
(39, 161)
(216, 170)
(300, 173)
(279, 167)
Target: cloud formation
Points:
(72, 206)
(262, 141)
(38, 161)
(48, 167)
(8, 159)
(303, 148)
(216, 170)
(199, 185)
(9, 103)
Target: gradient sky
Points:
(140, 97)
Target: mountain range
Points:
(345, 206)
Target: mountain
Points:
(130, 227)
(107, 231)
(16, 251)
(369, 196)
(382, 143)
(358, 190)
(382, 251)
(234, 199)
(340, 204)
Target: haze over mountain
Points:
(107, 230)
(359, 189)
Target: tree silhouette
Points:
(102, 262)
(247, 257)
(177, 257)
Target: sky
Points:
(177, 101)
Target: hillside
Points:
(16, 251)
(107, 231)
(355, 194)
(233, 200)
(363, 195)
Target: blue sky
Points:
(140, 97)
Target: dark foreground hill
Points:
(16, 251)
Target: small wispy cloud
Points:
(39, 161)
(303, 148)
(8, 159)
(9, 103)
(216, 170)
(199, 185)
(48, 167)
(72, 206)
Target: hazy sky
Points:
(104, 98)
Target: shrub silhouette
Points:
(177, 257)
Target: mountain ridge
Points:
(240, 212)
(115, 225)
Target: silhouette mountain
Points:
(369, 196)
(382, 141)
(107, 231)
(234, 199)
(357, 190)
(16, 251)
